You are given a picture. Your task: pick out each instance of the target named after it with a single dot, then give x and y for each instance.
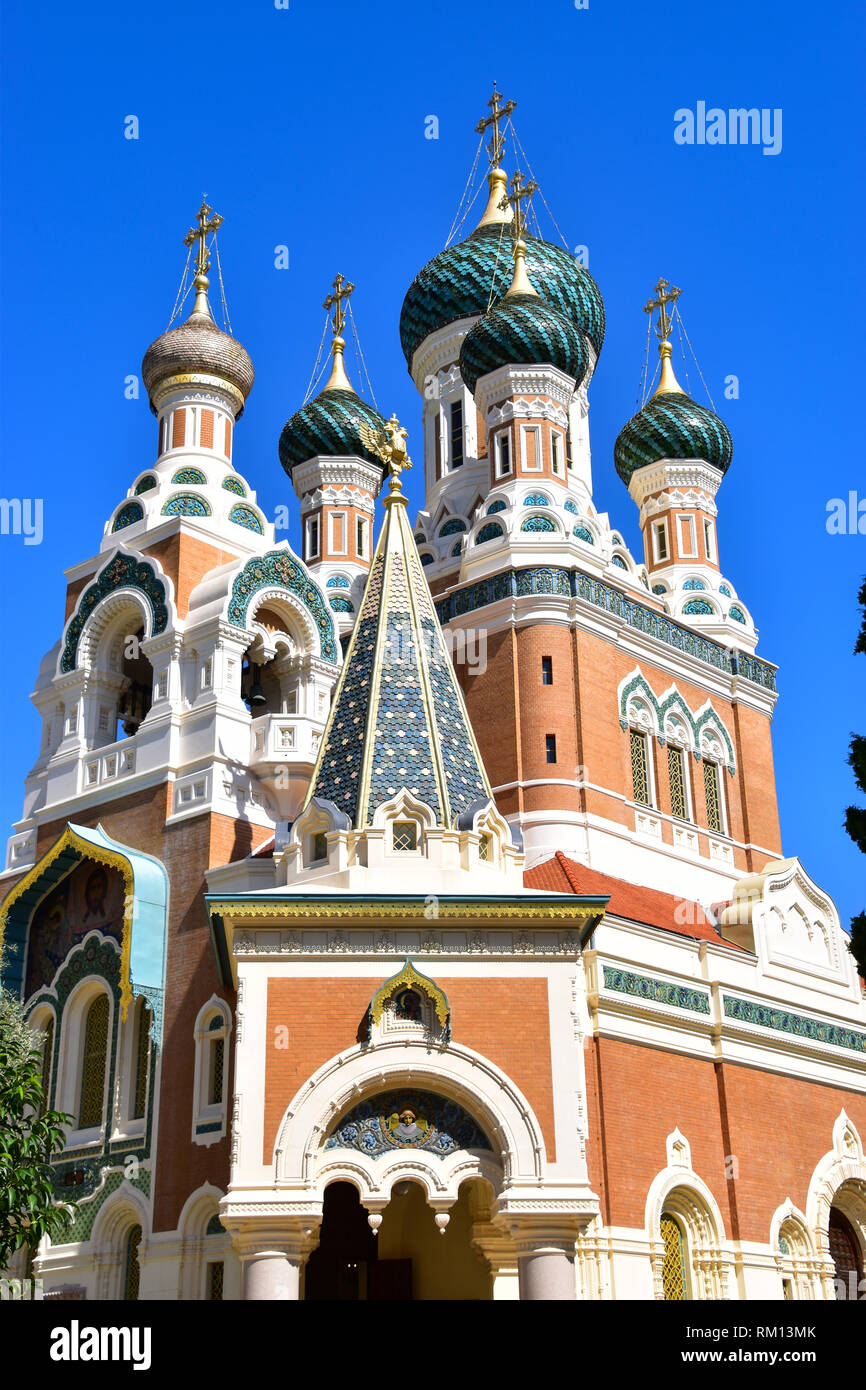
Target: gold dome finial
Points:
(665, 294)
(497, 211)
(520, 192)
(389, 444)
(206, 224)
(342, 288)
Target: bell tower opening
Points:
(136, 694)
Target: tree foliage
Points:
(30, 1135)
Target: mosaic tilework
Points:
(186, 504)
(522, 328)
(497, 506)
(584, 535)
(672, 426)
(234, 485)
(278, 569)
(694, 584)
(342, 605)
(428, 559)
(659, 589)
(86, 1213)
(674, 701)
(737, 614)
(537, 499)
(453, 527)
(337, 581)
(382, 1124)
(619, 562)
(723, 589)
(698, 606)
(489, 532)
(189, 475)
(121, 572)
(456, 549)
(245, 516)
(128, 515)
(464, 778)
(145, 484)
(339, 771)
(571, 506)
(659, 991)
(537, 524)
(465, 278)
(781, 1021)
(602, 595)
(328, 425)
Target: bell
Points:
(256, 697)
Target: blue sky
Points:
(306, 128)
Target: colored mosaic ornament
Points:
(186, 504)
(698, 607)
(658, 991)
(234, 485)
(452, 527)
(497, 506)
(748, 1011)
(659, 589)
(723, 589)
(329, 425)
(457, 549)
(278, 569)
(571, 506)
(337, 581)
(408, 1120)
(342, 605)
(674, 702)
(737, 614)
(128, 516)
(121, 572)
(145, 484)
(584, 535)
(611, 600)
(619, 562)
(189, 475)
(536, 499)
(672, 426)
(428, 559)
(538, 524)
(694, 584)
(464, 279)
(245, 516)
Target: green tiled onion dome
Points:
(672, 426)
(461, 281)
(328, 425)
(197, 345)
(522, 329)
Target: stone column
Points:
(545, 1259)
(272, 1259)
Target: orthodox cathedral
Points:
(408, 918)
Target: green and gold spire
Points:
(398, 719)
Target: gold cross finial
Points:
(342, 288)
(497, 113)
(520, 193)
(206, 224)
(663, 297)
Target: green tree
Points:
(29, 1135)
(855, 816)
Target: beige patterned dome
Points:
(197, 345)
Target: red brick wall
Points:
(506, 1020)
(776, 1128)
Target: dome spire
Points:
(337, 300)
(668, 384)
(206, 224)
(498, 209)
(520, 191)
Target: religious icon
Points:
(408, 1006)
(407, 1127)
(95, 892)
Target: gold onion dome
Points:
(197, 346)
(463, 279)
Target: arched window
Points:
(131, 1275)
(216, 1062)
(46, 1042)
(846, 1256)
(675, 1279)
(213, 1026)
(141, 1060)
(714, 797)
(640, 773)
(93, 1067)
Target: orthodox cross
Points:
(342, 288)
(497, 141)
(520, 191)
(664, 297)
(206, 224)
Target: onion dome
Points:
(463, 279)
(334, 422)
(520, 330)
(672, 426)
(197, 345)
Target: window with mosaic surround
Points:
(215, 1280)
(128, 516)
(640, 780)
(405, 836)
(131, 1273)
(713, 793)
(92, 1093)
(235, 486)
(674, 1278)
(677, 778)
(47, 1055)
(142, 1058)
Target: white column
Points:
(272, 1257)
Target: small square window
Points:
(550, 745)
(547, 670)
(405, 836)
(484, 848)
(320, 847)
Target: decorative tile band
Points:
(573, 584)
(659, 991)
(747, 1011)
(121, 571)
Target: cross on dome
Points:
(496, 143)
(665, 294)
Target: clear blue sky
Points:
(306, 127)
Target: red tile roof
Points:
(563, 875)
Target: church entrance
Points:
(410, 1259)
